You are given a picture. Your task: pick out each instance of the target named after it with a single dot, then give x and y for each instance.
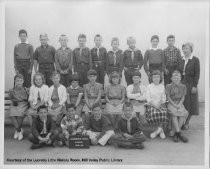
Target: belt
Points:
(45, 63)
(136, 68)
(82, 63)
(97, 61)
(23, 60)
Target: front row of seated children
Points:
(99, 126)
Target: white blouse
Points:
(155, 93)
(62, 95)
(43, 93)
(137, 96)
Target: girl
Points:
(115, 96)
(56, 97)
(19, 98)
(92, 92)
(155, 57)
(136, 93)
(75, 93)
(176, 94)
(38, 95)
(114, 58)
(156, 112)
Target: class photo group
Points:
(67, 95)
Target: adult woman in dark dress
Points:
(189, 66)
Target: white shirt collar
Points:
(129, 49)
(154, 48)
(26, 42)
(191, 56)
(113, 50)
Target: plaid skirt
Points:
(156, 116)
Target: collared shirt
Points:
(186, 61)
(115, 91)
(112, 62)
(45, 55)
(74, 93)
(136, 61)
(101, 56)
(176, 91)
(63, 59)
(82, 55)
(172, 56)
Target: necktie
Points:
(44, 130)
(132, 55)
(98, 53)
(115, 58)
(80, 51)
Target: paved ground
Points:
(156, 152)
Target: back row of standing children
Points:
(46, 59)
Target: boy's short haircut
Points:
(69, 106)
(39, 74)
(41, 107)
(155, 37)
(55, 73)
(95, 105)
(63, 36)
(23, 31)
(20, 76)
(115, 39)
(81, 36)
(176, 72)
(92, 72)
(97, 36)
(131, 38)
(170, 37)
(127, 104)
(43, 34)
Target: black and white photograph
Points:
(100, 82)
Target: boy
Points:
(71, 124)
(43, 131)
(23, 58)
(98, 127)
(155, 57)
(114, 58)
(82, 61)
(45, 57)
(98, 54)
(133, 60)
(92, 93)
(172, 55)
(128, 134)
(64, 60)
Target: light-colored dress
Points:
(137, 96)
(115, 93)
(176, 92)
(156, 93)
(19, 98)
(37, 95)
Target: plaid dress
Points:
(154, 115)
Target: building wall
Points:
(187, 20)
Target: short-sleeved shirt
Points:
(115, 91)
(45, 55)
(176, 92)
(93, 90)
(18, 94)
(74, 93)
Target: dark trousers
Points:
(82, 70)
(46, 70)
(65, 79)
(100, 72)
(23, 67)
(124, 142)
(35, 140)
